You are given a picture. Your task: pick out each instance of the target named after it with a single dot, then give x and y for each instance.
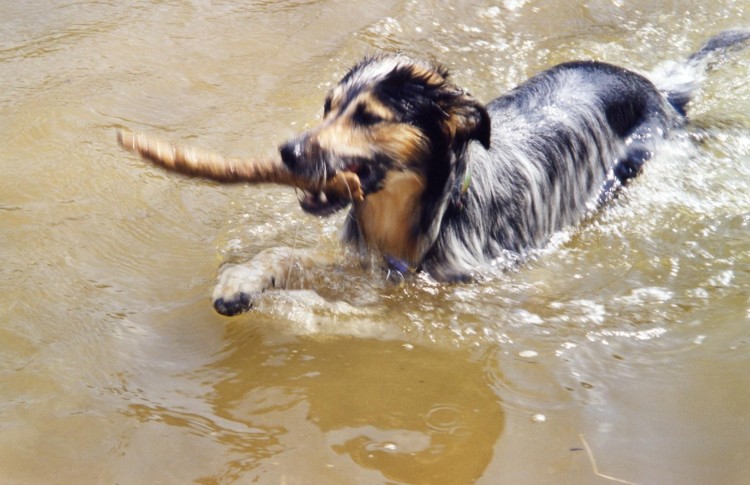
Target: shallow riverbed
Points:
(622, 350)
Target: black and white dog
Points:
(452, 185)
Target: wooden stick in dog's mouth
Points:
(199, 163)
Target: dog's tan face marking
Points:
(365, 106)
(366, 128)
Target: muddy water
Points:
(623, 350)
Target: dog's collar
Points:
(398, 268)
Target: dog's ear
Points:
(414, 85)
(467, 119)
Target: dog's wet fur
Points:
(452, 185)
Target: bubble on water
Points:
(445, 418)
(539, 418)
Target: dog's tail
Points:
(680, 79)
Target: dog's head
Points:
(402, 127)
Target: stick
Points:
(596, 469)
(199, 163)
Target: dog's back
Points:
(559, 142)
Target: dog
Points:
(451, 185)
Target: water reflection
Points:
(411, 414)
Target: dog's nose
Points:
(291, 152)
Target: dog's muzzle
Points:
(305, 158)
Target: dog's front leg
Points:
(239, 285)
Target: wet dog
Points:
(451, 185)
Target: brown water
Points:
(630, 335)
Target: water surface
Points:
(629, 335)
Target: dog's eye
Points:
(364, 117)
(327, 106)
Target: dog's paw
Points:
(238, 288)
(238, 303)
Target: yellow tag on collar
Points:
(466, 181)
